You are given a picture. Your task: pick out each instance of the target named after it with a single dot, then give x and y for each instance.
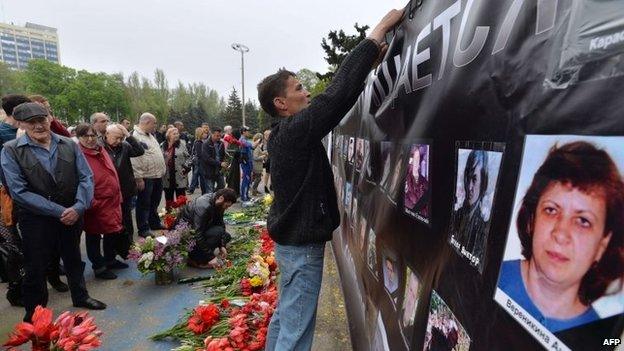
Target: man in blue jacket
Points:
(305, 213)
(52, 185)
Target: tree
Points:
(307, 78)
(11, 81)
(233, 111)
(337, 46)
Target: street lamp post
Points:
(242, 49)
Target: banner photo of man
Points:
(444, 332)
(390, 272)
(361, 150)
(394, 187)
(410, 303)
(477, 173)
(371, 252)
(563, 263)
(417, 197)
(351, 150)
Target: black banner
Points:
(480, 174)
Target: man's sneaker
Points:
(247, 203)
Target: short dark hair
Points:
(125, 119)
(228, 194)
(10, 101)
(583, 166)
(271, 87)
(83, 128)
(216, 129)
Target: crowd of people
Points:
(58, 181)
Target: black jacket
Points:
(305, 208)
(121, 155)
(209, 165)
(202, 215)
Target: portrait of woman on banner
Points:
(417, 192)
(570, 225)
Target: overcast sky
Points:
(191, 39)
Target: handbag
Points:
(6, 207)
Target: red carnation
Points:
(203, 318)
(225, 303)
(245, 287)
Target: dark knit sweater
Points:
(305, 208)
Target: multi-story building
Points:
(18, 45)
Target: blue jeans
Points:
(301, 272)
(147, 205)
(209, 184)
(246, 181)
(194, 179)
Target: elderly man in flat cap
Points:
(51, 185)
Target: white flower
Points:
(146, 259)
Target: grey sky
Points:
(190, 39)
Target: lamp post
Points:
(242, 49)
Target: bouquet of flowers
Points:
(70, 331)
(171, 211)
(163, 253)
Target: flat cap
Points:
(29, 110)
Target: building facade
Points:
(18, 45)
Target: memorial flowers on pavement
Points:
(241, 298)
(164, 252)
(71, 331)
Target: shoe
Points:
(105, 274)
(146, 233)
(190, 191)
(58, 285)
(117, 265)
(91, 304)
(247, 203)
(14, 296)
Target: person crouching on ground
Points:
(304, 212)
(205, 215)
(103, 218)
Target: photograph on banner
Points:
(444, 331)
(345, 146)
(386, 148)
(565, 238)
(372, 162)
(417, 196)
(390, 268)
(351, 150)
(410, 303)
(361, 152)
(348, 196)
(371, 252)
(397, 178)
(362, 231)
(477, 169)
(354, 210)
(380, 338)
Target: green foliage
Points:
(337, 46)
(233, 114)
(307, 78)
(11, 81)
(75, 95)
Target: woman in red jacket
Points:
(103, 218)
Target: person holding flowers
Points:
(205, 215)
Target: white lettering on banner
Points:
(474, 260)
(535, 328)
(606, 41)
(414, 56)
(454, 242)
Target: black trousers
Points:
(127, 238)
(94, 252)
(42, 237)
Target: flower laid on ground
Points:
(70, 332)
(165, 252)
(241, 298)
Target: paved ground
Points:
(137, 308)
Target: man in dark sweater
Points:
(304, 213)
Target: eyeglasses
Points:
(89, 136)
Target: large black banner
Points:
(480, 175)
